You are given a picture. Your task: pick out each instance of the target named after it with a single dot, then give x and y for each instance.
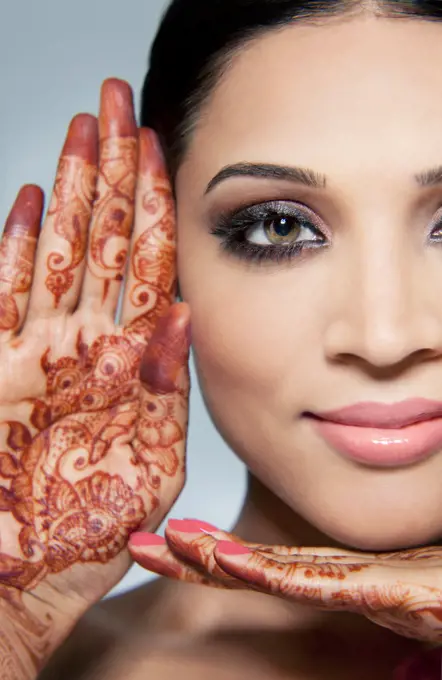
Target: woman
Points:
(302, 140)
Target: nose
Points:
(385, 307)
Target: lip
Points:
(375, 414)
(385, 435)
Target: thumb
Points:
(161, 432)
(167, 352)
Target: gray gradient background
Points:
(54, 54)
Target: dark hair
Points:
(197, 39)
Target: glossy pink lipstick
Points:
(386, 435)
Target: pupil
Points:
(282, 227)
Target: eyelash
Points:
(232, 229)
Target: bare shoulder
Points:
(144, 633)
(105, 631)
(167, 629)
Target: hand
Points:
(93, 415)
(399, 590)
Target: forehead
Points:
(320, 94)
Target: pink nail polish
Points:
(142, 539)
(190, 526)
(232, 548)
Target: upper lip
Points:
(379, 415)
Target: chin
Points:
(384, 541)
(374, 535)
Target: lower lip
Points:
(383, 447)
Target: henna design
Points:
(113, 209)
(426, 553)
(16, 261)
(76, 476)
(153, 256)
(153, 259)
(91, 402)
(24, 639)
(67, 508)
(70, 209)
(17, 249)
(410, 610)
(163, 410)
(114, 205)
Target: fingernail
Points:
(231, 548)
(190, 526)
(143, 539)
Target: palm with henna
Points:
(93, 414)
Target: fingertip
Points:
(142, 539)
(82, 138)
(114, 83)
(26, 211)
(31, 193)
(117, 113)
(179, 314)
(167, 351)
(151, 158)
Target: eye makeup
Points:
(280, 231)
(273, 231)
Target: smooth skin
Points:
(360, 320)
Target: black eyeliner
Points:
(231, 227)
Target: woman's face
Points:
(356, 315)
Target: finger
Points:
(151, 278)
(194, 541)
(188, 533)
(361, 588)
(152, 552)
(292, 551)
(62, 244)
(318, 558)
(113, 210)
(160, 440)
(17, 254)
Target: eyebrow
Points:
(429, 178)
(304, 176)
(268, 171)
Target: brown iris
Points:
(282, 229)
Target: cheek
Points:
(233, 340)
(249, 331)
(233, 333)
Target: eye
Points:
(282, 230)
(436, 232)
(272, 231)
